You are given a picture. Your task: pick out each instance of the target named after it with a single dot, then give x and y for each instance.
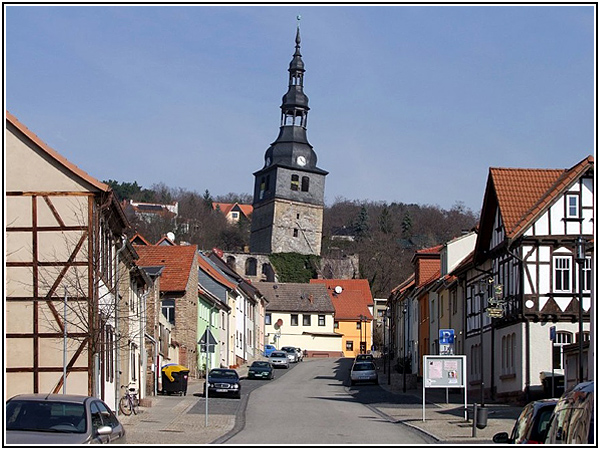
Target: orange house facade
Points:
(353, 303)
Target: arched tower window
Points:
(251, 267)
(295, 182)
(305, 182)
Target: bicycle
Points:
(129, 402)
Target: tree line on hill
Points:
(384, 235)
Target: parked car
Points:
(261, 369)
(223, 381)
(291, 353)
(573, 419)
(269, 349)
(363, 357)
(300, 354)
(42, 419)
(279, 359)
(363, 371)
(531, 426)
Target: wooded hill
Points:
(384, 235)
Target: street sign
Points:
(207, 338)
(447, 336)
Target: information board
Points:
(444, 371)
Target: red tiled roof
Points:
(225, 208)
(523, 193)
(177, 260)
(352, 301)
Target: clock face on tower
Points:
(301, 160)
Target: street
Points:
(312, 404)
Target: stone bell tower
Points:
(289, 190)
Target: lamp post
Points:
(404, 345)
(580, 258)
(388, 314)
(384, 346)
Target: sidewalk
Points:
(171, 420)
(443, 421)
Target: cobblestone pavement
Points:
(168, 420)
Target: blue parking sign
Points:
(447, 336)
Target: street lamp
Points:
(580, 259)
(388, 314)
(404, 345)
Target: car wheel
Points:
(351, 382)
(238, 395)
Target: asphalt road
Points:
(313, 404)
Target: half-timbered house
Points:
(525, 278)
(69, 273)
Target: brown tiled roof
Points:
(177, 260)
(55, 155)
(354, 299)
(296, 297)
(523, 193)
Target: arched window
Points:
(251, 267)
(295, 182)
(231, 261)
(305, 184)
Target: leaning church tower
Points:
(289, 190)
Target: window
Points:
(336, 324)
(235, 215)
(306, 320)
(304, 184)
(562, 338)
(168, 310)
(268, 319)
(358, 325)
(263, 188)
(508, 353)
(294, 320)
(350, 345)
(321, 320)
(295, 182)
(572, 206)
(295, 232)
(251, 267)
(562, 273)
(587, 275)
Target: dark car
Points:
(364, 357)
(223, 381)
(531, 425)
(261, 369)
(47, 419)
(573, 419)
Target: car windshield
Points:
(288, 349)
(363, 366)
(49, 416)
(222, 373)
(260, 364)
(278, 355)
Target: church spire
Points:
(294, 105)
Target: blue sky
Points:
(410, 104)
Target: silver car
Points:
(47, 419)
(291, 353)
(279, 359)
(363, 371)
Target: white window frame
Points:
(565, 273)
(573, 209)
